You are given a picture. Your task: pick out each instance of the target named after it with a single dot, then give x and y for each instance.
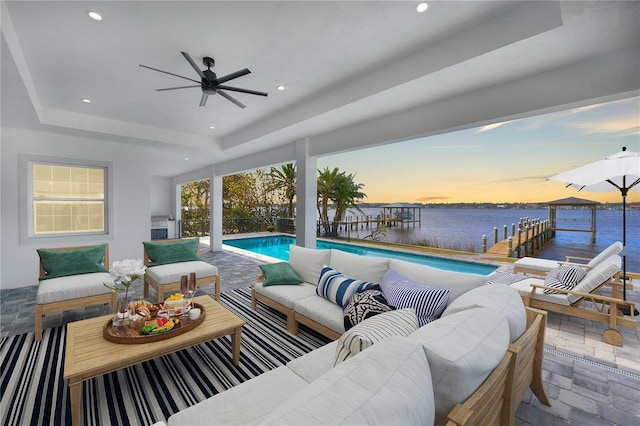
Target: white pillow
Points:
(308, 262)
(401, 322)
(359, 267)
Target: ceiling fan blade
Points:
(238, 89)
(193, 64)
(174, 88)
(231, 98)
(232, 76)
(170, 73)
(203, 99)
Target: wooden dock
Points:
(529, 238)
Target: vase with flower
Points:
(125, 273)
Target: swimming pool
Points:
(278, 246)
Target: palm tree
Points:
(284, 179)
(338, 188)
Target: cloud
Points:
(433, 198)
(622, 125)
(491, 126)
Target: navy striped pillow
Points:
(338, 288)
(401, 292)
(565, 277)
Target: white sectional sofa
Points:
(432, 374)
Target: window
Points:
(67, 199)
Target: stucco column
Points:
(215, 231)
(306, 195)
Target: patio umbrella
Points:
(620, 171)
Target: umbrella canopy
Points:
(619, 171)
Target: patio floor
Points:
(589, 382)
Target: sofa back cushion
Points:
(64, 262)
(359, 267)
(389, 383)
(457, 283)
(462, 349)
(172, 251)
(308, 262)
(498, 298)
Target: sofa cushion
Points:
(320, 310)
(314, 364)
(401, 292)
(308, 262)
(73, 287)
(287, 295)
(565, 277)
(389, 383)
(171, 272)
(162, 253)
(280, 273)
(363, 305)
(360, 267)
(337, 287)
(462, 349)
(265, 392)
(401, 322)
(62, 263)
(457, 283)
(498, 298)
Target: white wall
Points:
(132, 188)
(162, 201)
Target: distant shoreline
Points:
(508, 206)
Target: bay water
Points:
(463, 228)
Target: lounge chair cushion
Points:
(614, 248)
(457, 283)
(362, 267)
(401, 292)
(171, 272)
(231, 407)
(462, 349)
(73, 287)
(389, 383)
(287, 295)
(280, 273)
(308, 262)
(336, 287)
(498, 298)
(62, 263)
(162, 253)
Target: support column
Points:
(306, 195)
(215, 231)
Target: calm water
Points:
(465, 227)
(278, 246)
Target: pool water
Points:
(278, 246)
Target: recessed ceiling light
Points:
(212, 127)
(280, 87)
(186, 158)
(86, 101)
(94, 15)
(422, 7)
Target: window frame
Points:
(27, 233)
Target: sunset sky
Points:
(503, 162)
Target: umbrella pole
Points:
(625, 309)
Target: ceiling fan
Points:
(210, 83)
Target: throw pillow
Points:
(565, 277)
(61, 263)
(162, 253)
(279, 273)
(401, 292)
(338, 288)
(401, 322)
(363, 305)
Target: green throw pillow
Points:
(172, 252)
(60, 263)
(279, 273)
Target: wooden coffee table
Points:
(89, 355)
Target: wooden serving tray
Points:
(134, 336)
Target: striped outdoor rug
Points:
(34, 392)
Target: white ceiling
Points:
(357, 72)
